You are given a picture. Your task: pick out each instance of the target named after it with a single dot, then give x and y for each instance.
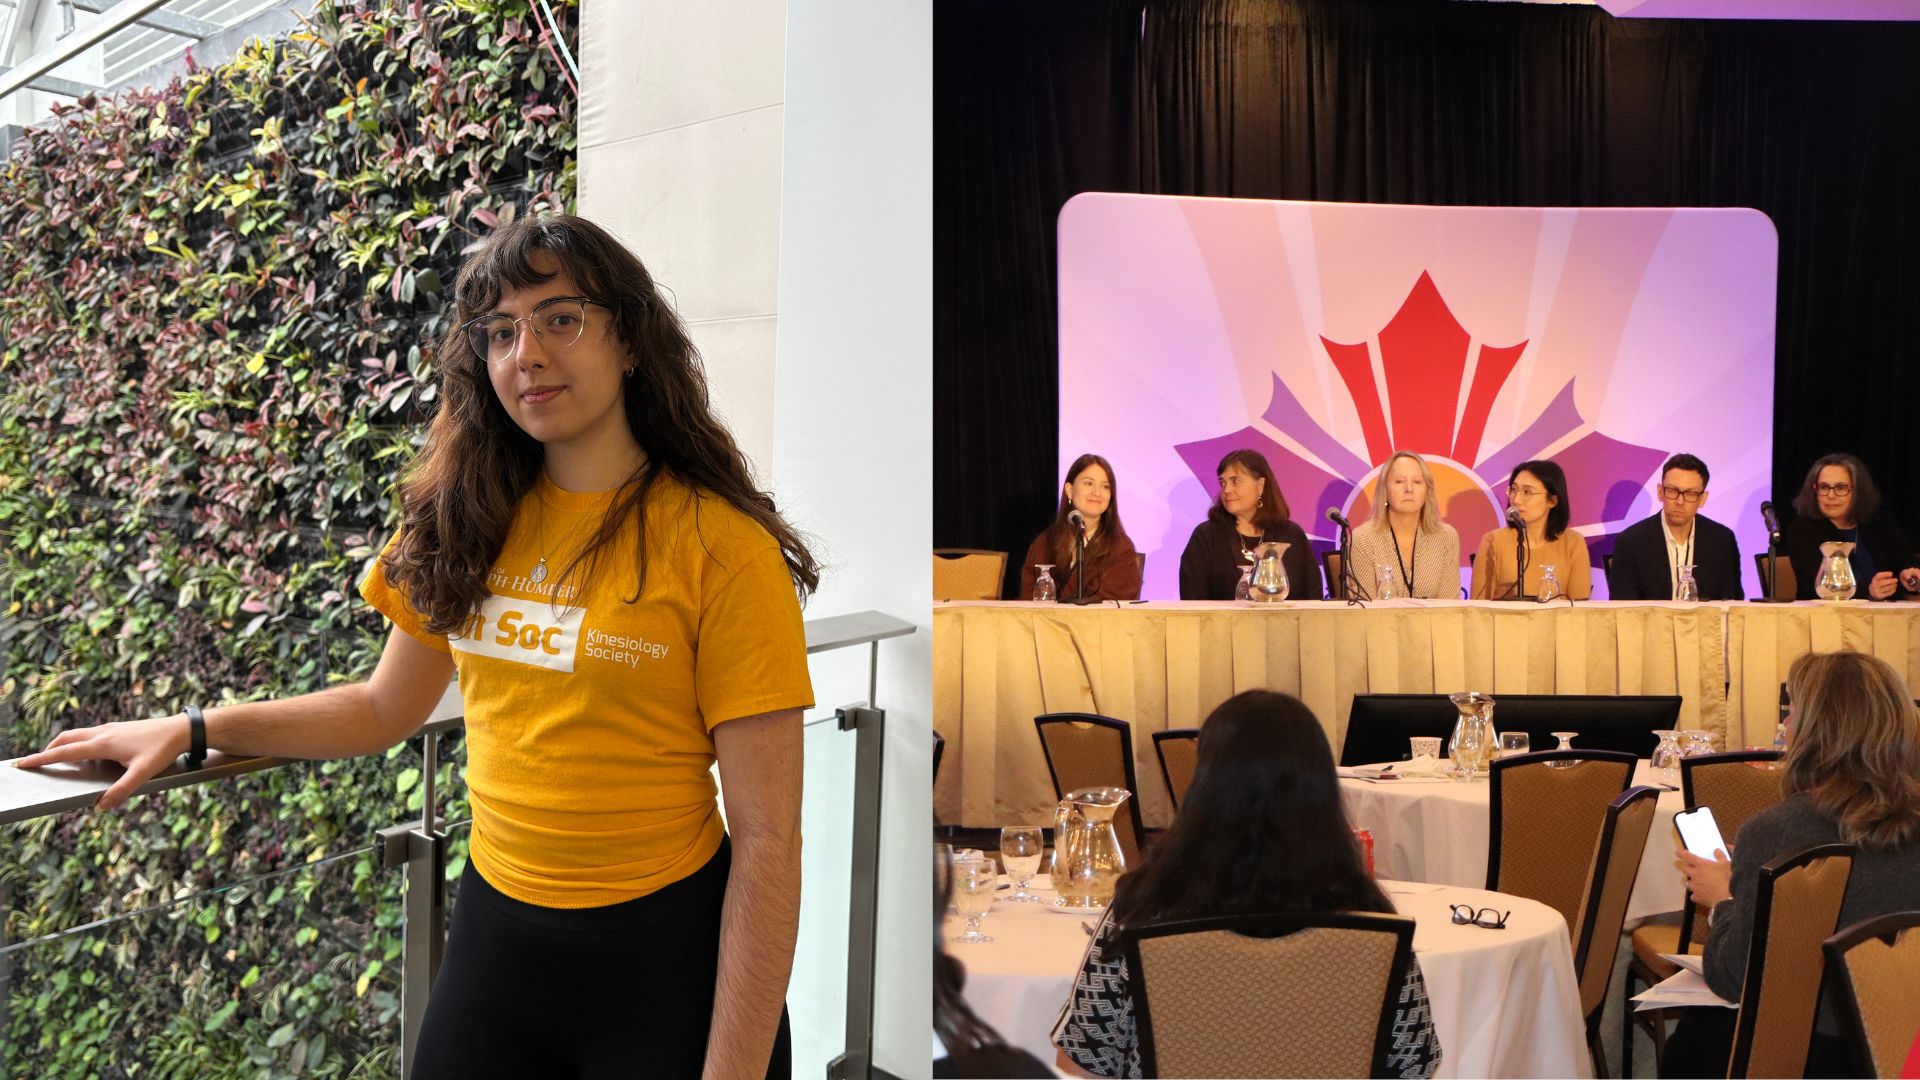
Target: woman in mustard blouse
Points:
(582, 540)
(1537, 495)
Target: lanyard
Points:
(1412, 560)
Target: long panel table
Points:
(1162, 665)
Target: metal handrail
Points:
(420, 848)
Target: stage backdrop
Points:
(1329, 335)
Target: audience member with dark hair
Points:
(1840, 502)
(1264, 773)
(1249, 511)
(1851, 775)
(1113, 567)
(1537, 495)
(1648, 555)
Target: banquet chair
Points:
(1785, 585)
(1871, 968)
(967, 574)
(1603, 911)
(1796, 908)
(1179, 751)
(1336, 581)
(1544, 823)
(1736, 790)
(1086, 750)
(1310, 993)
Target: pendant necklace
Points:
(539, 572)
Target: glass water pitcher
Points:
(1087, 860)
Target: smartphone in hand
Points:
(1699, 833)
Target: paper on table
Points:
(1409, 888)
(1684, 988)
(1685, 961)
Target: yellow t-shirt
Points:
(589, 723)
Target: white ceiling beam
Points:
(111, 21)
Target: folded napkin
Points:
(1424, 765)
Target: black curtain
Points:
(1495, 104)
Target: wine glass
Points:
(1020, 849)
(974, 882)
(1666, 757)
(1549, 582)
(1566, 743)
(1043, 585)
(1689, 589)
(1468, 748)
(1244, 588)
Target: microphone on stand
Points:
(1349, 583)
(1773, 567)
(1079, 523)
(1519, 528)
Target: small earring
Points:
(629, 373)
(1260, 502)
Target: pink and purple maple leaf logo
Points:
(1423, 353)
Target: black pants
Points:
(528, 992)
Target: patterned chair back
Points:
(967, 574)
(1086, 750)
(1871, 966)
(1310, 994)
(1179, 751)
(1545, 823)
(1796, 907)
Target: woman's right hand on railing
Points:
(144, 747)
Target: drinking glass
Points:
(974, 882)
(1695, 742)
(1666, 757)
(1020, 849)
(1514, 742)
(1469, 749)
(1566, 743)
(1043, 585)
(1385, 586)
(1549, 582)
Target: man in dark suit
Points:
(1648, 555)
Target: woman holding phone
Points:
(1851, 774)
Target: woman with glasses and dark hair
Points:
(1537, 503)
(1091, 494)
(1264, 771)
(1840, 502)
(1248, 512)
(582, 541)
(1851, 775)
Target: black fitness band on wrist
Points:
(197, 734)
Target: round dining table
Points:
(1435, 830)
(1505, 1002)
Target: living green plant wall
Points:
(218, 307)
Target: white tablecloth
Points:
(1504, 1001)
(1436, 831)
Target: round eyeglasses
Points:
(557, 323)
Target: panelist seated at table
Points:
(1537, 491)
(1406, 543)
(1249, 511)
(1839, 501)
(1849, 776)
(1648, 555)
(1113, 566)
(1264, 771)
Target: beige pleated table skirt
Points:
(1166, 665)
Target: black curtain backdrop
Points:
(1497, 104)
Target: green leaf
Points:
(221, 1016)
